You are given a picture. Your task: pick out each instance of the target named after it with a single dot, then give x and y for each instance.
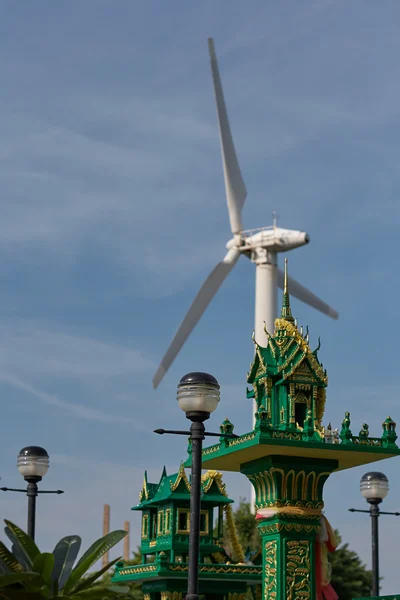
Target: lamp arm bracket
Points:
(173, 431)
(381, 512)
(396, 514)
(222, 435)
(209, 433)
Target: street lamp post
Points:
(198, 396)
(374, 487)
(33, 464)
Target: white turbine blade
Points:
(303, 294)
(234, 185)
(199, 305)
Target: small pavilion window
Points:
(183, 520)
(300, 413)
(145, 526)
(204, 522)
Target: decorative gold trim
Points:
(293, 332)
(223, 568)
(301, 398)
(286, 435)
(285, 485)
(298, 489)
(145, 527)
(167, 521)
(278, 527)
(145, 491)
(171, 595)
(271, 347)
(321, 401)
(376, 442)
(303, 387)
(270, 569)
(211, 449)
(315, 489)
(298, 584)
(210, 477)
(260, 358)
(269, 395)
(160, 522)
(181, 476)
(138, 569)
(231, 526)
(242, 439)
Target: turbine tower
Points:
(261, 246)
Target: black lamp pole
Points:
(198, 396)
(374, 487)
(33, 463)
(32, 492)
(197, 431)
(374, 511)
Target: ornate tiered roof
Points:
(176, 488)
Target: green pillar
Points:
(289, 500)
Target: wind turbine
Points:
(261, 246)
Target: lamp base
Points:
(197, 416)
(33, 478)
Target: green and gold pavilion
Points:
(289, 455)
(165, 542)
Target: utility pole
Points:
(126, 542)
(106, 529)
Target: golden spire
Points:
(285, 284)
(286, 312)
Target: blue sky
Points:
(113, 213)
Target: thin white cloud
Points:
(39, 349)
(77, 410)
(35, 356)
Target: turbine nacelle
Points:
(273, 239)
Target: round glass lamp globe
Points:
(374, 486)
(33, 461)
(198, 392)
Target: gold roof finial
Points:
(265, 330)
(286, 312)
(285, 284)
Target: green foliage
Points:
(91, 556)
(135, 592)
(65, 553)
(350, 578)
(246, 526)
(28, 574)
(43, 565)
(24, 548)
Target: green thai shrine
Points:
(165, 541)
(288, 456)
